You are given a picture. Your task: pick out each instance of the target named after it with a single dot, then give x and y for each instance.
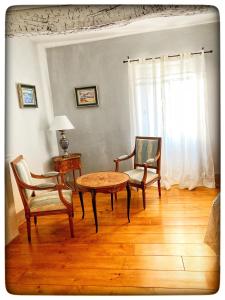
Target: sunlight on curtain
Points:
(168, 98)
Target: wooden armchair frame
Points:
(57, 187)
(146, 166)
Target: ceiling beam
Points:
(63, 19)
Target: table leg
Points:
(93, 193)
(82, 203)
(128, 201)
(112, 200)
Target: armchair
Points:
(55, 198)
(147, 155)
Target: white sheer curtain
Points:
(168, 98)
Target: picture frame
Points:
(27, 95)
(86, 96)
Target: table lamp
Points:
(62, 123)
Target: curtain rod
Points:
(158, 57)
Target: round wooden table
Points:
(103, 182)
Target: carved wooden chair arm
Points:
(59, 188)
(50, 185)
(38, 187)
(50, 174)
(122, 158)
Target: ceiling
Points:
(66, 24)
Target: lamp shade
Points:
(61, 123)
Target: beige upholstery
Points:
(24, 174)
(136, 175)
(49, 201)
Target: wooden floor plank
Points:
(177, 291)
(100, 290)
(130, 228)
(118, 238)
(155, 262)
(72, 260)
(135, 278)
(174, 249)
(151, 214)
(161, 251)
(76, 248)
(112, 220)
(198, 263)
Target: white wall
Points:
(103, 133)
(26, 129)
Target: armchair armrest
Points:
(50, 174)
(121, 158)
(38, 187)
(59, 188)
(146, 165)
(46, 185)
(151, 160)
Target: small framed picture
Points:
(27, 95)
(86, 96)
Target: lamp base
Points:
(64, 143)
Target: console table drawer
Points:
(67, 164)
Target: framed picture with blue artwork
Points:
(27, 95)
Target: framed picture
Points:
(27, 95)
(86, 96)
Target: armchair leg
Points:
(71, 225)
(28, 229)
(143, 196)
(159, 188)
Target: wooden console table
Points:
(103, 182)
(66, 164)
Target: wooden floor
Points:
(160, 252)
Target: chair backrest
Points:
(146, 148)
(22, 174)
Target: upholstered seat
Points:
(136, 175)
(49, 201)
(147, 155)
(54, 198)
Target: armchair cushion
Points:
(136, 175)
(49, 201)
